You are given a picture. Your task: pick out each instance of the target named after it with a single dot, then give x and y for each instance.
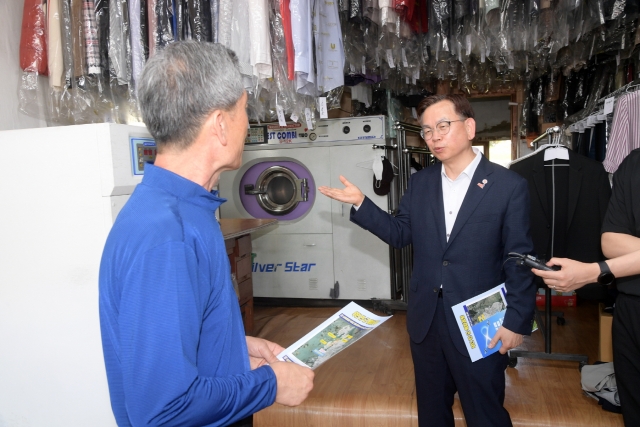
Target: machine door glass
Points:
(278, 190)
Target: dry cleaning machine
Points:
(315, 252)
(62, 188)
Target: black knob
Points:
(366, 128)
(346, 129)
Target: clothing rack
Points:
(545, 326)
(598, 106)
(401, 259)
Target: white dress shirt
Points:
(260, 39)
(453, 191)
(302, 35)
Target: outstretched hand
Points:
(349, 194)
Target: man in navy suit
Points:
(463, 217)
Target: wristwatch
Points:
(606, 276)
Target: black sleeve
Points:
(619, 217)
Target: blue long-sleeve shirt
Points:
(172, 333)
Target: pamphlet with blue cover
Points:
(332, 336)
(479, 318)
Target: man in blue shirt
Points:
(172, 333)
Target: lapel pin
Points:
(480, 185)
(484, 181)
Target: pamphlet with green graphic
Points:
(332, 336)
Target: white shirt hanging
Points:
(260, 39)
(303, 46)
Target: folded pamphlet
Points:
(479, 318)
(333, 335)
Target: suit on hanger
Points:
(588, 190)
(493, 221)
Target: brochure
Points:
(479, 318)
(335, 334)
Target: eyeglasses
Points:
(443, 128)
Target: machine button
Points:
(366, 128)
(445, 263)
(346, 129)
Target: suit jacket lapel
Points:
(474, 195)
(437, 208)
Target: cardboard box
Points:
(605, 349)
(345, 109)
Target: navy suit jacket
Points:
(492, 221)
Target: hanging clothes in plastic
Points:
(260, 57)
(240, 40)
(302, 35)
(137, 49)
(102, 22)
(569, 200)
(118, 43)
(329, 48)
(91, 48)
(77, 37)
(285, 12)
(54, 45)
(33, 47)
(225, 14)
(625, 130)
(67, 42)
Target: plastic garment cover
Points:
(279, 92)
(118, 41)
(388, 16)
(371, 12)
(302, 36)
(225, 15)
(57, 83)
(199, 19)
(90, 32)
(144, 28)
(353, 40)
(152, 26)
(33, 59)
(33, 49)
(404, 8)
(440, 13)
(329, 48)
(67, 44)
(215, 13)
(260, 57)
(77, 38)
(54, 44)
(285, 12)
(137, 47)
(240, 38)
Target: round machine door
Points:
(279, 190)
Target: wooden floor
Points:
(371, 383)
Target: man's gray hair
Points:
(182, 85)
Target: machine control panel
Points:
(257, 134)
(329, 130)
(143, 150)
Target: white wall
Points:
(10, 72)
